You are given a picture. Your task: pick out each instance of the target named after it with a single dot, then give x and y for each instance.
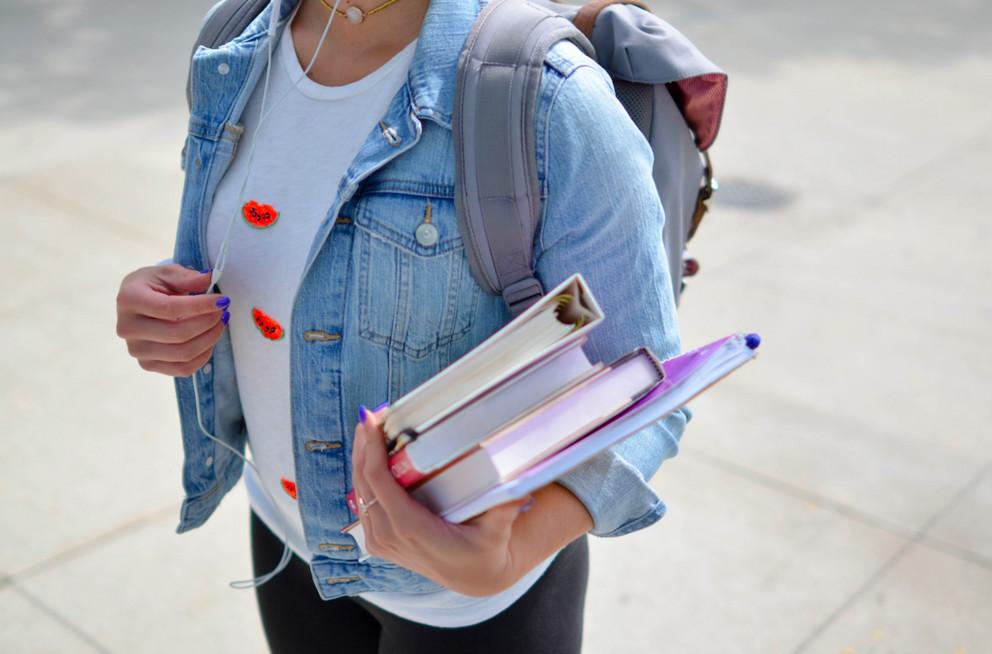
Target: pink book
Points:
(543, 431)
(462, 431)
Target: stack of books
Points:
(526, 406)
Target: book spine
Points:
(403, 469)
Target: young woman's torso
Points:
(277, 204)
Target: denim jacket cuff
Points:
(615, 494)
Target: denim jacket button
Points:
(223, 68)
(340, 580)
(426, 234)
(390, 133)
(321, 446)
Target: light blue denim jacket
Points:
(377, 313)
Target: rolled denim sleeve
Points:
(603, 218)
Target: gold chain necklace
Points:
(356, 14)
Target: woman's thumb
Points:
(180, 280)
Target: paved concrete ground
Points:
(834, 497)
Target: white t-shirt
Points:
(293, 183)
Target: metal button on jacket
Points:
(390, 133)
(426, 234)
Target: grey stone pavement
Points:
(835, 497)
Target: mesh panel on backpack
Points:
(638, 100)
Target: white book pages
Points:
(466, 428)
(577, 412)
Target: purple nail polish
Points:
(362, 413)
(225, 317)
(524, 508)
(205, 271)
(223, 302)
(380, 407)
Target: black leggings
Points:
(547, 619)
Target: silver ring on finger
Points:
(363, 506)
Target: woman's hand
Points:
(166, 329)
(480, 557)
(473, 558)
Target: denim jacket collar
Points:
(432, 74)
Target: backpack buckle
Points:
(521, 294)
(706, 191)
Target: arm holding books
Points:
(602, 218)
(479, 557)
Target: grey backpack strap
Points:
(226, 20)
(497, 196)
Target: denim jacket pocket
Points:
(416, 291)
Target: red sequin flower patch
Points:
(258, 215)
(289, 487)
(266, 324)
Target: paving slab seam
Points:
(786, 488)
(868, 201)
(71, 208)
(773, 284)
(888, 565)
(877, 197)
(849, 422)
(957, 551)
(85, 547)
(60, 619)
(840, 508)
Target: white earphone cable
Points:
(287, 554)
(263, 114)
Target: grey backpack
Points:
(673, 93)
